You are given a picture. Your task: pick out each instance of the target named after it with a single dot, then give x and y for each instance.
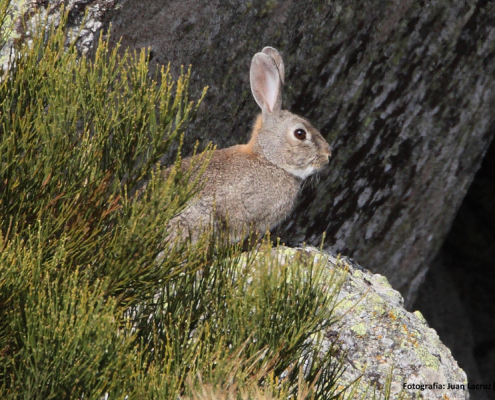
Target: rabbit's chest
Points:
(270, 201)
(249, 191)
(262, 198)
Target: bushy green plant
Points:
(94, 300)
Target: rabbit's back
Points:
(240, 191)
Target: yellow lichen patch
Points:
(382, 280)
(359, 329)
(357, 273)
(378, 304)
(420, 317)
(427, 358)
(345, 305)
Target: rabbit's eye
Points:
(300, 134)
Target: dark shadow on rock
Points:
(458, 295)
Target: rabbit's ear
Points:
(275, 55)
(266, 83)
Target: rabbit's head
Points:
(285, 139)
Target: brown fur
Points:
(248, 147)
(253, 187)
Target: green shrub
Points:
(94, 301)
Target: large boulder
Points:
(460, 283)
(402, 90)
(377, 337)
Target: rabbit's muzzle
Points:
(323, 157)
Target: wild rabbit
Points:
(253, 187)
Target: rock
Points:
(459, 285)
(439, 301)
(23, 13)
(377, 333)
(403, 91)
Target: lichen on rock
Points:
(377, 336)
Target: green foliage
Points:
(94, 300)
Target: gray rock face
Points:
(376, 333)
(23, 13)
(403, 91)
(460, 283)
(440, 302)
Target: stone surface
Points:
(403, 90)
(460, 284)
(377, 333)
(439, 301)
(89, 11)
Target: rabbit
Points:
(253, 187)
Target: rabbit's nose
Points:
(328, 151)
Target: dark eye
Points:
(300, 134)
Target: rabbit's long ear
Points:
(275, 55)
(266, 82)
